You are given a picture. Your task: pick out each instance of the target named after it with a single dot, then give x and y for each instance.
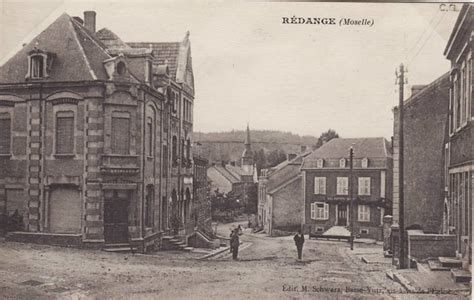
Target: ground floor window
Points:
(319, 211)
(363, 213)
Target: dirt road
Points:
(267, 269)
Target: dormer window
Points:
(37, 66)
(121, 68)
(342, 163)
(365, 162)
(319, 163)
(39, 63)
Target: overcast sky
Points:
(249, 67)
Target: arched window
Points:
(121, 68)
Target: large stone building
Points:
(459, 149)
(95, 137)
(280, 196)
(326, 174)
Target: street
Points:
(266, 269)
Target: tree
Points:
(275, 157)
(326, 137)
(260, 160)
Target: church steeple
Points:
(247, 155)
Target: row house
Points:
(327, 197)
(280, 196)
(459, 148)
(95, 138)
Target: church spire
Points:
(247, 138)
(247, 155)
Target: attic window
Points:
(365, 162)
(121, 68)
(342, 163)
(37, 66)
(39, 63)
(319, 163)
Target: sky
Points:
(251, 68)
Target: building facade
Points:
(202, 204)
(425, 134)
(96, 137)
(326, 186)
(280, 196)
(459, 149)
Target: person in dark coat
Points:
(234, 244)
(299, 241)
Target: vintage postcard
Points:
(236, 149)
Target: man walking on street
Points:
(299, 241)
(234, 244)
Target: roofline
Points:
(284, 184)
(342, 169)
(461, 17)
(418, 95)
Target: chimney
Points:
(415, 89)
(89, 21)
(290, 156)
(303, 148)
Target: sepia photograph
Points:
(236, 149)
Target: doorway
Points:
(116, 203)
(342, 215)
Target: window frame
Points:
(6, 115)
(363, 213)
(362, 184)
(365, 163)
(339, 188)
(319, 213)
(320, 163)
(67, 114)
(319, 185)
(342, 163)
(120, 115)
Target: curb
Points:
(213, 253)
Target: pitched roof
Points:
(285, 173)
(339, 148)
(111, 40)
(78, 55)
(165, 54)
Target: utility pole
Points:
(401, 221)
(351, 185)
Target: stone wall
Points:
(422, 246)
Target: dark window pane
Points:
(65, 134)
(120, 135)
(5, 135)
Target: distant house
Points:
(326, 174)
(228, 177)
(460, 166)
(425, 134)
(280, 196)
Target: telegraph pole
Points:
(401, 221)
(351, 184)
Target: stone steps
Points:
(461, 276)
(450, 262)
(436, 265)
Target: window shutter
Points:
(326, 211)
(313, 211)
(316, 185)
(5, 133)
(323, 185)
(65, 133)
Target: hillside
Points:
(228, 146)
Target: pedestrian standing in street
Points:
(234, 244)
(299, 241)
